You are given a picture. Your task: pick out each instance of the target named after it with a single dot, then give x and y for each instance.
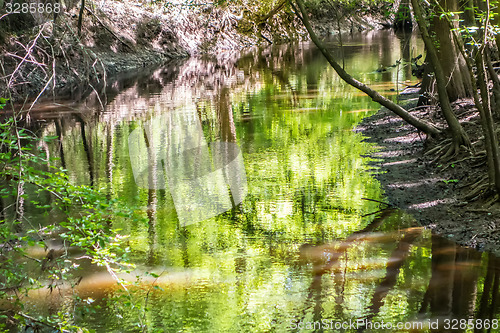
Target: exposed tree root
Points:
(447, 150)
(475, 181)
(480, 189)
(480, 163)
(493, 200)
(438, 148)
(480, 155)
(453, 150)
(479, 211)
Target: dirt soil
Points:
(434, 192)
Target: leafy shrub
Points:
(84, 221)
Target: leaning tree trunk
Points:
(457, 132)
(420, 124)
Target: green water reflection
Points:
(292, 252)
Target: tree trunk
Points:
(467, 6)
(465, 282)
(458, 134)
(487, 122)
(403, 19)
(481, 5)
(404, 46)
(484, 304)
(87, 147)
(454, 67)
(443, 271)
(495, 105)
(484, 108)
(375, 96)
(80, 17)
(394, 265)
(496, 22)
(427, 84)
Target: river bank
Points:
(434, 192)
(42, 58)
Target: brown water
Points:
(302, 251)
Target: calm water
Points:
(271, 130)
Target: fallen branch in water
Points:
(380, 202)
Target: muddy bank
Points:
(43, 57)
(432, 191)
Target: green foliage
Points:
(28, 177)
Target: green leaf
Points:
(49, 138)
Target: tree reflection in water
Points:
(300, 247)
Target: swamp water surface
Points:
(301, 249)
